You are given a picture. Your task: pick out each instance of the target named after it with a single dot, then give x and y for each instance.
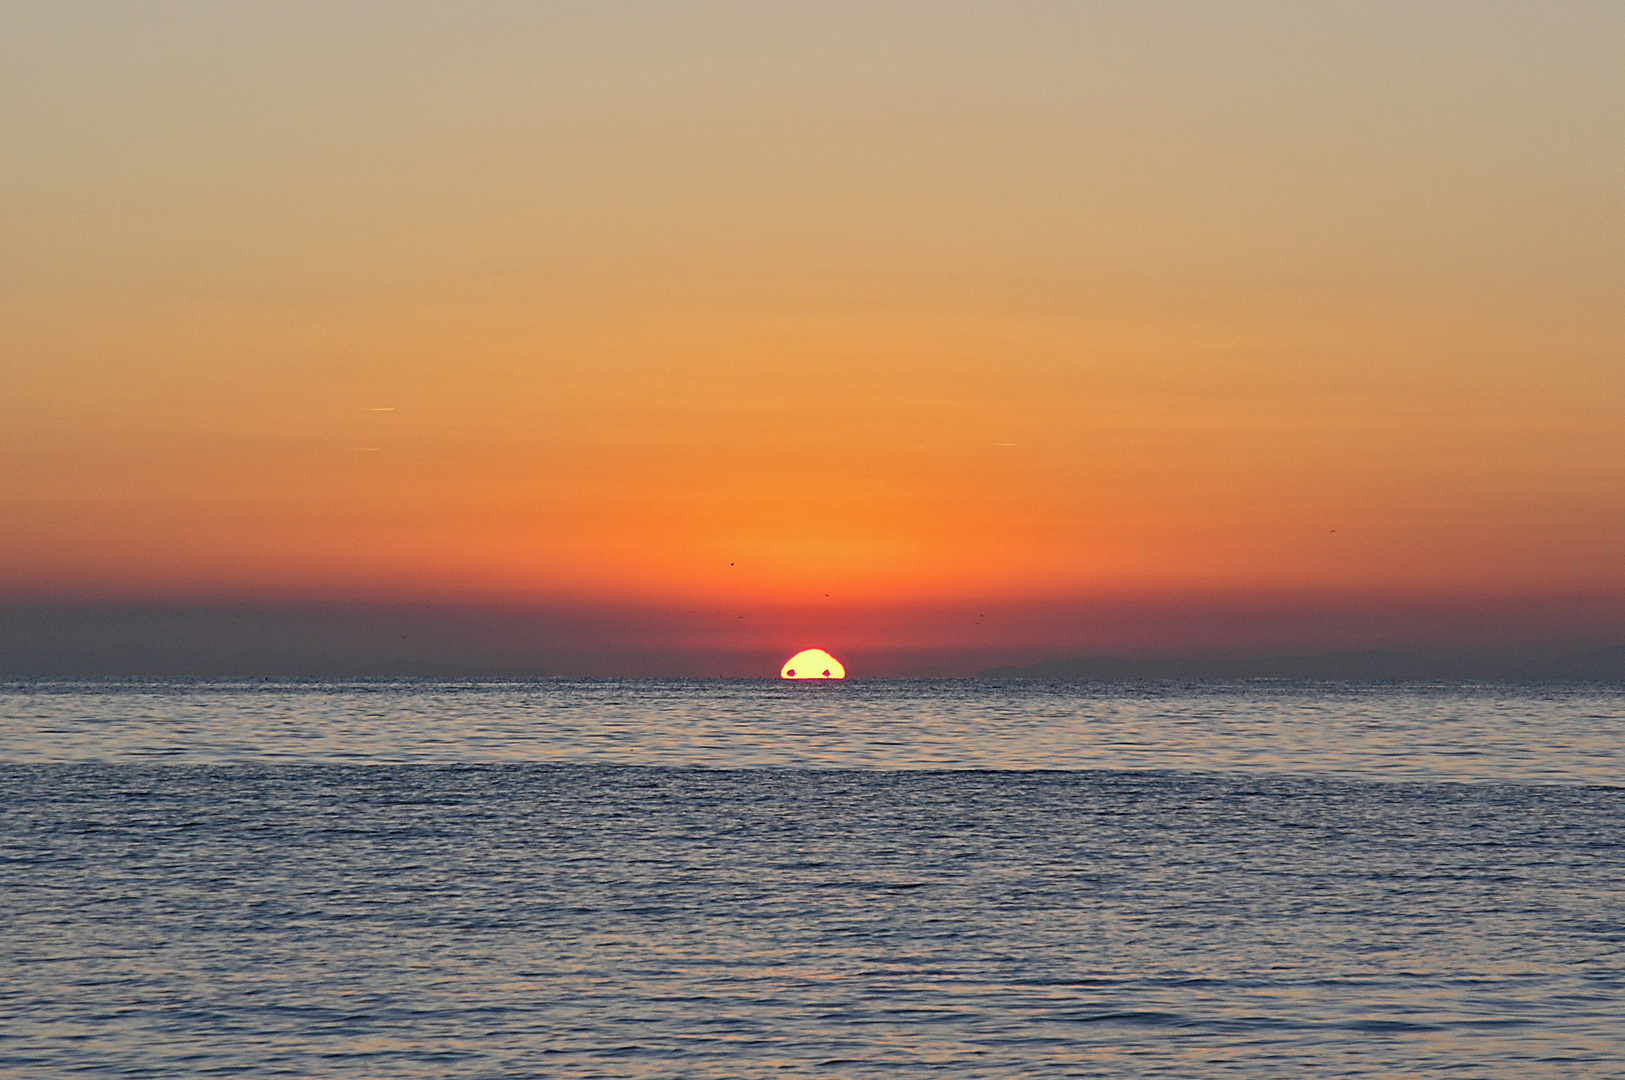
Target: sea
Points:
(752, 878)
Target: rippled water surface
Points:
(748, 879)
(1554, 733)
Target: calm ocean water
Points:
(750, 879)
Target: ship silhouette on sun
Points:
(812, 664)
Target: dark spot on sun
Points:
(792, 671)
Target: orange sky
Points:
(764, 306)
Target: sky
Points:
(935, 334)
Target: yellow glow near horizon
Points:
(812, 664)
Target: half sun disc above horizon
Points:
(812, 664)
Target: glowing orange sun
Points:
(812, 664)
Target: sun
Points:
(812, 664)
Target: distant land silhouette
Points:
(1606, 664)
